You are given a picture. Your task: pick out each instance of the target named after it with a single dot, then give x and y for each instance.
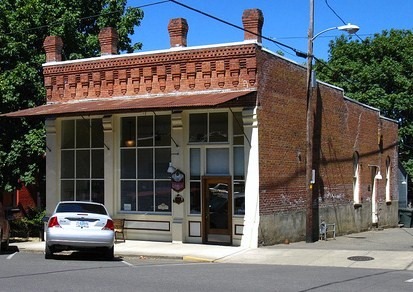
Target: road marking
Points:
(409, 281)
(10, 256)
(128, 264)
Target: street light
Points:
(350, 28)
(312, 230)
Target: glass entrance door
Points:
(217, 211)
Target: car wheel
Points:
(5, 245)
(109, 253)
(48, 252)
(1, 238)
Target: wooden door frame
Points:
(205, 209)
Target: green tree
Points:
(378, 71)
(24, 24)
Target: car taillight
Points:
(109, 225)
(53, 222)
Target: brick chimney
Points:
(53, 46)
(178, 30)
(108, 39)
(253, 19)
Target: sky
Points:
(286, 21)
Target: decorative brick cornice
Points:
(227, 67)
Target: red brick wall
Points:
(27, 197)
(341, 127)
(282, 124)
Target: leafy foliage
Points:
(378, 72)
(29, 225)
(24, 24)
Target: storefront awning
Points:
(138, 104)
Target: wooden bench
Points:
(325, 228)
(119, 228)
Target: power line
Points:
(272, 40)
(84, 18)
(297, 52)
(338, 16)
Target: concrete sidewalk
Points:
(381, 249)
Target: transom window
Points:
(145, 154)
(208, 127)
(82, 160)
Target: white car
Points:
(77, 225)
(4, 230)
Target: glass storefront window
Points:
(82, 160)
(145, 184)
(98, 167)
(97, 137)
(68, 134)
(128, 195)
(67, 190)
(163, 196)
(162, 159)
(83, 163)
(83, 133)
(239, 163)
(83, 190)
(210, 128)
(195, 164)
(195, 198)
(145, 163)
(145, 131)
(217, 161)
(145, 196)
(239, 198)
(238, 130)
(67, 158)
(128, 132)
(127, 163)
(163, 130)
(218, 127)
(198, 127)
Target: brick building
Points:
(228, 122)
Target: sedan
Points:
(4, 230)
(77, 225)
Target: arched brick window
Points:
(356, 179)
(388, 173)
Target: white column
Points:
(251, 218)
(107, 122)
(178, 210)
(52, 167)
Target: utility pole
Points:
(309, 133)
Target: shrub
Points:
(29, 225)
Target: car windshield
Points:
(81, 207)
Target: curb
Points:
(197, 259)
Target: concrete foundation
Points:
(290, 226)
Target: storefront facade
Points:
(123, 161)
(207, 144)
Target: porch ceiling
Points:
(139, 104)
